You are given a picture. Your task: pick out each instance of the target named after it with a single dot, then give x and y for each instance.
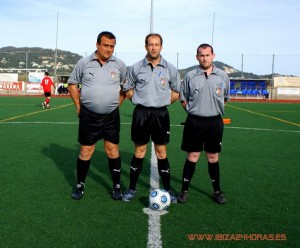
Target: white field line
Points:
(124, 123)
(39, 122)
(264, 129)
(154, 234)
(154, 177)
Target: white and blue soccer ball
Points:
(159, 199)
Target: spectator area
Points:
(62, 87)
(249, 88)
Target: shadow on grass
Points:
(179, 181)
(65, 159)
(144, 201)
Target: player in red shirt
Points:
(46, 84)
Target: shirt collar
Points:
(214, 70)
(93, 57)
(162, 62)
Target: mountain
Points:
(20, 58)
(37, 58)
(232, 72)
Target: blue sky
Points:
(256, 29)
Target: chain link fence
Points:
(61, 64)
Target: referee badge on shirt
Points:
(218, 91)
(220, 86)
(163, 81)
(113, 75)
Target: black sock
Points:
(115, 171)
(136, 166)
(82, 170)
(164, 172)
(187, 174)
(214, 173)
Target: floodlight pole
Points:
(26, 62)
(213, 30)
(151, 18)
(242, 69)
(55, 55)
(273, 60)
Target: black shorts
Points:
(202, 133)
(150, 122)
(94, 127)
(47, 94)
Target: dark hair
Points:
(47, 73)
(204, 45)
(107, 34)
(153, 34)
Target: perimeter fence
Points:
(21, 71)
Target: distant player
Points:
(46, 84)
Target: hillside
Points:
(232, 72)
(37, 58)
(40, 58)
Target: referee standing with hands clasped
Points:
(152, 84)
(202, 95)
(102, 76)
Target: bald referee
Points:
(152, 84)
(101, 75)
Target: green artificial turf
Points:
(259, 176)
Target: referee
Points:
(151, 84)
(202, 95)
(101, 75)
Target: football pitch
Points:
(260, 177)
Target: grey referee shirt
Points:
(152, 85)
(205, 95)
(100, 83)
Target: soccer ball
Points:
(159, 199)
